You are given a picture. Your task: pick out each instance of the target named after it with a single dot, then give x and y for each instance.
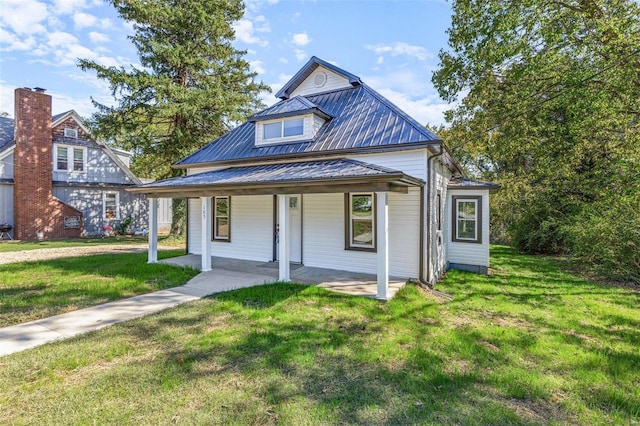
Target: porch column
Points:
(382, 236)
(206, 234)
(283, 249)
(153, 231)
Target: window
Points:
(70, 133)
(110, 203)
(221, 222)
(283, 129)
(467, 219)
(360, 226)
(70, 159)
(439, 211)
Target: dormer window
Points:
(284, 128)
(71, 133)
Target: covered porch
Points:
(225, 271)
(282, 180)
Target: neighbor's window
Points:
(110, 203)
(361, 222)
(70, 159)
(284, 128)
(221, 217)
(467, 217)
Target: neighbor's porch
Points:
(256, 273)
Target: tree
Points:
(551, 110)
(192, 84)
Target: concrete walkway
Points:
(35, 333)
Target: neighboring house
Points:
(332, 176)
(55, 181)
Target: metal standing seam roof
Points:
(281, 173)
(362, 119)
(6, 133)
(469, 183)
(294, 106)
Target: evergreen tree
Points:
(192, 86)
(551, 110)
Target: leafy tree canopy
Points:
(550, 108)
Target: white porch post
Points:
(153, 231)
(206, 234)
(382, 235)
(283, 254)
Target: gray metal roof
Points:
(469, 183)
(6, 133)
(279, 173)
(306, 71)
(288, 107)
(56, 117)
(363, 120)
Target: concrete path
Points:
(35, 333)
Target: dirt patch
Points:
(61, 252)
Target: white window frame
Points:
(70, 158)
(477, 201)
(262, 140)
(70, 133)
(350, 245)
(217, 237)
(104, 205)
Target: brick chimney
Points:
(37, 213)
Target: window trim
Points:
(262, 140)
(477, 199)
(439, 211)
(214, 234)
(348, 228)
(70, 158)
(104, 205)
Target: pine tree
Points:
(191, 87)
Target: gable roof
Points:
(306, 71)
(288, 107)
(6, 133)
(362, 120)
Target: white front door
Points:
(295, 229)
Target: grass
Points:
(531, 344)
(34, 290)
(10, 246)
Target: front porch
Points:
(223, 276)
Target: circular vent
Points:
(320, 79)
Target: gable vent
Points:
(320, 79)
(70, 133)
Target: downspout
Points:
(423, 281)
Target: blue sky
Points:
(391, 45)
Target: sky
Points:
(391, 45)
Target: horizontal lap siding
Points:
(251, 229)
(6, 204)
(413, 163)
(334, 81)
(324, 235)
(468, 253)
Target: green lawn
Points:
(8, 245)
(34, 290)
(530, 345)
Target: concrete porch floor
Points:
(352, 283)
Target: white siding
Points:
(468, 253)
(6, 165)
(6, 204)
(442, 175)
(334, 81)
(195, 171)
(323, 235)
(413, 163)
(251, 229)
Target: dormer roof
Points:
(290, 107)
(306, 71)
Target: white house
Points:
(332, 176)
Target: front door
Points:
(295, 229)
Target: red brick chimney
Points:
(37, 214)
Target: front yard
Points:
(531, 344)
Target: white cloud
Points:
(11, 42)
(245, 32)
(24, 16)
(83, 20)
(62, 7)
(301, 55)
(300, 39)
(428, 110)
(400, 48)
(284, 60)
(261, 24)
(257, 66)
(105, 23)
(97, 37)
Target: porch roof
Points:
(340, 175)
